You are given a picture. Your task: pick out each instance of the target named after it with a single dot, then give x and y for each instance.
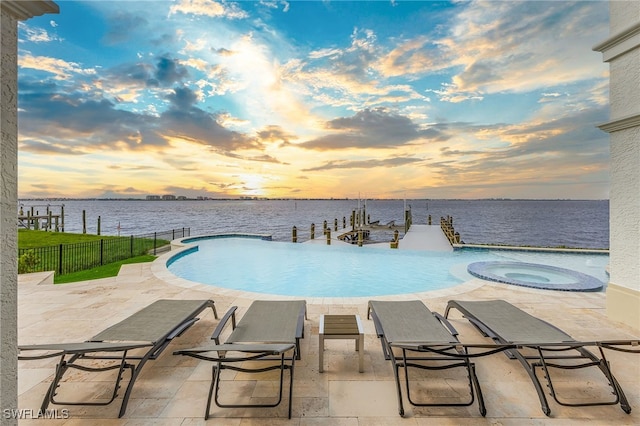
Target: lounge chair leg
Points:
(134, 375)
(51, 392)
(293, 361)
(536, 383)
(214, 383)
(396, 372)
(476, 384)
(606, 370)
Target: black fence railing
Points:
(67, 258)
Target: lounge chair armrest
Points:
(447, 324)
(483, 328)
(270, 348)
(257, 350)
(182, 328)
(616, 345)
(58, 349)
(463, 349)
(231, 314)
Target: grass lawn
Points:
(28, 238)
(34, 239)
(105, 271)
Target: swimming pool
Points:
(316, 270)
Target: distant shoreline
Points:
(310, 199)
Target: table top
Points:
(340, 324)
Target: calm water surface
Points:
(319, 270)
(545, 223)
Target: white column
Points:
(11, 12)
(622, 51)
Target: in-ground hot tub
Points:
(535, 275)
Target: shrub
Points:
(28, 262)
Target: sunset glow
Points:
(314, 99)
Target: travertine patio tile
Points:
(172, 390)
(362, 398)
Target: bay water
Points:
(538, 223)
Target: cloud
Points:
(414, 56)
(134, 167)
(275, 134)
(123, 24)
(186, 121)
(85, 124)
(370, 128)
(364, 164)
(42, 147)
(61, 69)
(202, 87)
(168, 71)
(520, 46)
(350, 76)
(38, 35)
(182, 98)
(566, 151)
(209, 8)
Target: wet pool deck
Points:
(172, 390)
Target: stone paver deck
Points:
(172, 390)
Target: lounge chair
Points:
(145, 333)
(539, 344)
(268, 331)
(424, 340)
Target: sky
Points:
(314, 99)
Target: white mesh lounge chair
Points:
(424, 340)
(539, 344)
(270, 330)
(145, 333)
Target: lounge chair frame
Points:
(147, 332)
(254, 340)
(437, 348)
(550, 345)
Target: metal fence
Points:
(67, 258)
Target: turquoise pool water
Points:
(316, 270)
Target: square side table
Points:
(341, 327)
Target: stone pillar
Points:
(622, 51)
(10, 13)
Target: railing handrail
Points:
(73, 257)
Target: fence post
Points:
(173, 234)
(131, 246)
(60, 259)
(155, 242)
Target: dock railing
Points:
(446, 224)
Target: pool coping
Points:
(582, 282)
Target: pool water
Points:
(316, 270)
(527, 277)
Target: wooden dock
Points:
(49, 221)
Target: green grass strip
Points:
(28, 238)
(105, 271)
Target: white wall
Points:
(11, 12)
(622, 51)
